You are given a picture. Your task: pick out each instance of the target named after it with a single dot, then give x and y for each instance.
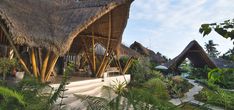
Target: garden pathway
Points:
(189, 96)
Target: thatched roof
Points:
(60, 24)
(222, 63)
(139, 48)
(195, 53)
(126, 51)
(157, 58)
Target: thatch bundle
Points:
(58, 25)
(195, 53)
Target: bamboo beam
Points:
(14, 48)
(94, 54)
(44, 66)
(50, 68)
(34, 64)
(98, 37)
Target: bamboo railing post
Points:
(14, 48)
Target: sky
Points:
(167, 26)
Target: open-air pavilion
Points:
(195, 53)
(46, 30)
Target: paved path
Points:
(189, 96)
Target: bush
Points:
(199, 73)
(6, 65)
(217, 97)
(158, 88)
(177, 86)
(222, 77)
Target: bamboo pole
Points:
(94, 53)
(87, 55)
(40, 59)
(108, 45)
(14, 48)
(116, 60)
(44, 66)
(34, 64)
(50, 68)
(128, 64)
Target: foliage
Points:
(199, 73)
(6, 65)
(229, 55)
(186, 66)
(138, 71)
(130, 98)
(158, 88)
(222, 77)
(225, 29)
(177, 86)
(6, 93)
(211, 49)
(216, 96)
(34, 94)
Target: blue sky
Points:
(167, 26)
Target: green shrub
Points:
(177, 86)
(6, 65)
(199, 73)
(222, 77)
(158, 88)
(217, 97)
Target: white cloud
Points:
(168, 26)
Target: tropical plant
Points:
(222, 77)
(225, 29)
(199, 73)
(32, 94)
(211, 49)
(7, 93)
(216, 96)
(130, 98)
(158, 88)
(229, 55)
(6, 65)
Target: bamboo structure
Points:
(195, 53)
(51, 32)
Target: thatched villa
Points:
(49, 29)
(157, 58)
(195, 53)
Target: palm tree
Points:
(211, 49)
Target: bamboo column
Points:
(94, 53)
(50, 68)
(34, 63)
(44, 66)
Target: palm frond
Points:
(6, 92)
